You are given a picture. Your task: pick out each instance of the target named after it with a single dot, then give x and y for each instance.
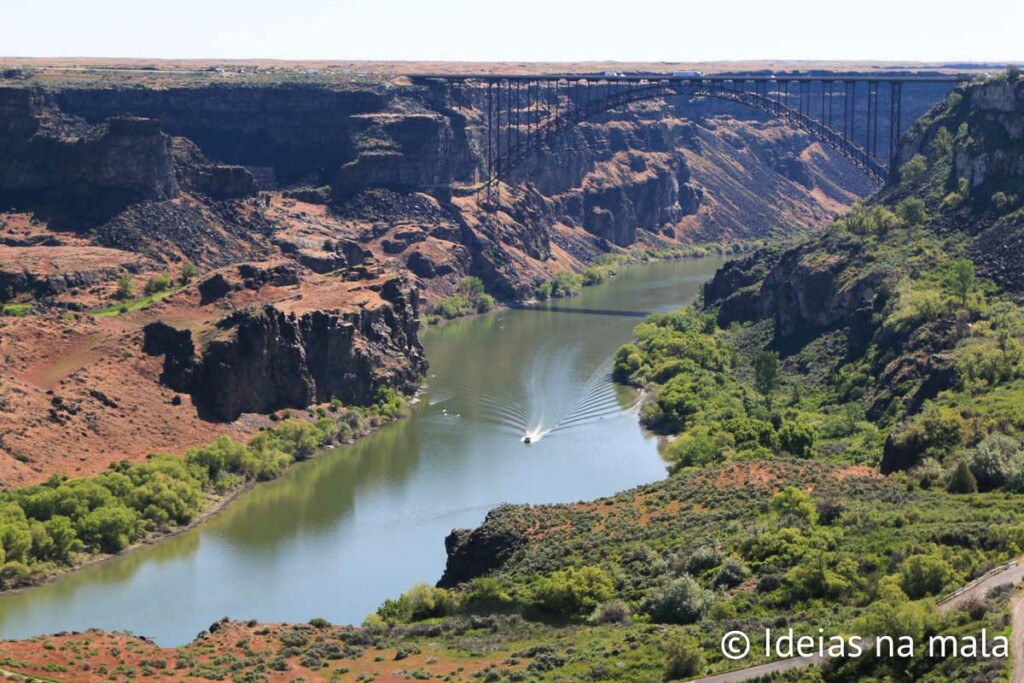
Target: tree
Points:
(962, 480)
(470, 287)
(822, 575)
(1013, 73)
(63, 538)
(893, 614)
(110, 528)
(961, 280)
(766, 374)
(125, 286)
(997, 460)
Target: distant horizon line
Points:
(760, 60)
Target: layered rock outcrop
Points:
(262, 359)
(477, 552)
(82, 175)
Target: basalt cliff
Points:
(887, 300)
(180, 260)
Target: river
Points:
(338, 534)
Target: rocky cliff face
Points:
(477, 552)
(82, 173)
(847, 281)
(263, 359)
(673, 168)
(292, 130)
(343, 187)
(989, 152)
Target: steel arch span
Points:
(520, 115)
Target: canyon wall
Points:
(263, 359)
(106, 188)
(681, 168)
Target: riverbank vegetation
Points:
(766, 543)
(844, 427)
(469, 297)
(64, 522)
(606, 266)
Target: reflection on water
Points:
(336, 535)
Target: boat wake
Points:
(553, 400)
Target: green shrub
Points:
(469, 298)
(941, 147)
(703, 559)
(110, 528)
(958, 196)
(1000, 202)
(913, 169)
(612, 612)
(566, 284)
(797, 438)
(962, 479)
(681, 601)
(486, 592)
(627, 361)
(923, 575)
(683, 658)
(159, 283)
(695, 448)
(485, 303)
(911, 211)
(732, 574)
(824, 576)
(125, 286)
(420, 602)
(573, 592)
(188, 272)
(794, 505)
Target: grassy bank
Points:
(63, 524)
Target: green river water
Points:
(338, 534)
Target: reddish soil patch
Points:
(233, 649)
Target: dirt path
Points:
(1017, 639)
(1009, 574)
(979, 588)
(763, 670)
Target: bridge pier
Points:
(549, 109)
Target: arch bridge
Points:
(860, 117)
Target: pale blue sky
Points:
(517, 30)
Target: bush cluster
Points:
(48, 524)
(469, 297)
